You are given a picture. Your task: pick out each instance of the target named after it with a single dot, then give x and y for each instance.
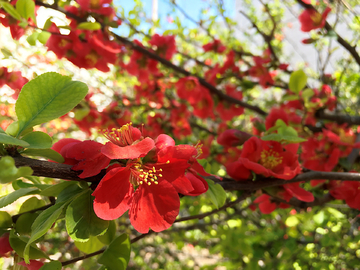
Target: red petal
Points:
(34, 265)
(199, 184)
(163, 141)
(299, 192)
(139, 149)
(238, 171)
(113, 194)
(182, 185)
(155, 207)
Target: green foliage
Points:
(20, 244)
(26, 9)
(53, 265)
(216, 193)
(47, 97)
(81, 221)
(11, 10)
(13, 196)
(297, 81)
(45, 153)
(9, 172)
(89, 26)
(38, 140)
(117, 254)
(7, 139)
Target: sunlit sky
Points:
(191, 7)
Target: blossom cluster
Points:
(145, 175)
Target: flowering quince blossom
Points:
(5, 245)
(311, 19)
(268, 158)
(147, 186)
(34, 264)
(85, 156)
(288, 191)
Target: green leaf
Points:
(7, 139)
(42, 224)
(53, 265)
(5, 220)
(335, 213)
(11, 10)
(307, 94)
(38, 140)
(9, 172)
(43, 37)
(282, 138)
(24, 223)
(90, 246)
(31, 204)
(319, 217)
(13, 196)
(32, 38)
(81, 220)
(292, 221)
(26, 8)
(216, 193)
(297, 81)
(89, 26)
(45, 153)
(110, 233)
(117, 255)
(47, 97)
(55, 190)
(19, 244)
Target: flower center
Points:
(270, 159)
(120, 136)
(316, 18)
(143, 174)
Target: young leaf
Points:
(43, 37)
(7, 139)
(46, 153)
(297, 81)
(10, 9)
(32, 38)
(117, 254)
(38, 140)
(9, 172)
(26, 8)
(81, 221)
(89, 26)
(216, 193)
(47, 97)
(13, 196)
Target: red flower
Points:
(215, 46)
(34, 265)
(267, 158)
(348, 191)
(189, 88)
(311, 19)
(126, 143)
(5, 245)
(165, 45)
(85, 156)
(233, 137)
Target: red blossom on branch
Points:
(310, 19)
